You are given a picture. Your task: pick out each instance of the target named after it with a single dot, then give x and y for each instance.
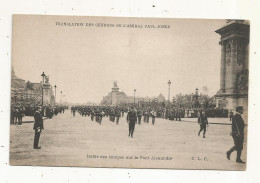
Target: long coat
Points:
(238, 126)
(38, 121)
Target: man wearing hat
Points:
(131, 119)
(203, 121)
(38, 126)
(237, 134)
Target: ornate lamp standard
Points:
(55, 93)
(134, 96)
(43, 76)
(169, 83)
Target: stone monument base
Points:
(231, 101)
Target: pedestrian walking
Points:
(203, 121)
(237, 133)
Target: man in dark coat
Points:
(203, 121)
(117, 115)
(131, 119)
(38, 126)
(237, 134)
(139, 115)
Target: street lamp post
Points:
(196, 97)
(134, 96)
(43, 76)
(55, 93)
(197, 93)
(169, 83)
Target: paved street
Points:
(72, 141)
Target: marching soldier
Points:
(131, 119)
(139, 115)
(92, 114)
(148, 115)
(237, 134)
(153, 114)
(20, 115)
(117, 114)
(145, 115)
(203, 121)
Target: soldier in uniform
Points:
(38, 126)
(153, 114)
(112, 115)
(139, 115)
(20, 115)
(117, 114)
(92, 114)
(131, 119)
(203, 121)
(148, 113)
(145, 114)
(237, 134)
(74, 111)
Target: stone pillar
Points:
(233, 67)
(246, 60)
(223, 67)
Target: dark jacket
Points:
(38, 121)
(131, 116)
(238, 125)
(203, 120)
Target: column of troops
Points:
(18, 111)
(144, 113)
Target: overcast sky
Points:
(84, 61)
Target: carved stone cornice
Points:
(234, 30)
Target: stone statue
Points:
(242, 81)
(47, 79)
(115, 84)
(222, 103)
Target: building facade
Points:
(28, 92)
(115, 97)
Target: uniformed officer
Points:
(38, 126)
(203, 121)
(131, 119)
(237, 134)
(139, 115)
(153, 115)
(117, 115)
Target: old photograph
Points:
(126, 92)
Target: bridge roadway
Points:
(78, 141)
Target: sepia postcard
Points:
(129, 92)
